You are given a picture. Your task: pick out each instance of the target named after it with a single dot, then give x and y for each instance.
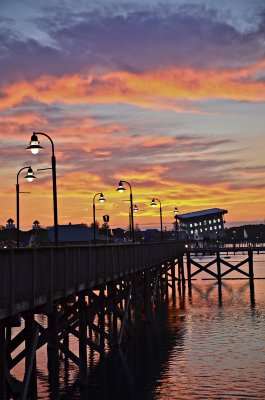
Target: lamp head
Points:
(101, 198)
(34, 144)
(153, 203)
(30, 175)
(135, 208)
(176, 211)
(121, 188)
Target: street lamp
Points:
(176, 213)
(30, 177)
(101, 200)
(153, 204)
(121, 189)
(34, 146)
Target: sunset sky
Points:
(168, 95)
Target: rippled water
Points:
(206, 345)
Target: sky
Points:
(166, 95)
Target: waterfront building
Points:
(205, 224)
(72, 234)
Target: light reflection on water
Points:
(205, 346)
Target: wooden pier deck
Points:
(31, 277)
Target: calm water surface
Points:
(208, 345)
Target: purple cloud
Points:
(133, 41)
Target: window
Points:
(205, 222)
(195, 224)
(218, 220)
(210, 221)
(211, 228)
(191, 232)
(206, 229)
(191, 225)
(200, 229)
(214, 221)
(200, 223)
(215, 227)
(219, 226)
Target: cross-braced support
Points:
(95, 318)
(218, 262)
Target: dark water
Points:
(207, 345)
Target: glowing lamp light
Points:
(153, 203)
(30, 175)
(121, 188)
(101, 198)
(34, 144)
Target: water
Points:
(207, 345)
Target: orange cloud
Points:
(164, 88)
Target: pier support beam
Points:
(30, 363)
(189, 271)
(250, 261)
(102, 320)
(2, 361)
(218, 264)
(147, 295)
(112, 296)
(53, 350)
(181, 273)
(173, 279)
(82, 340)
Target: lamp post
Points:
(34, 146)
(30, 177)
(176, 213)
(153, 204)
(135, 210)
(101, 199)
(121, 189)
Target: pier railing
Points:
(31, 277)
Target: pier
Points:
(95, 293)
(219, 261)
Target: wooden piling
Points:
(166, 266)
(102, 320)
(218, 264)
(82, 340)
(189, 270)
(112, 297)
(147, 295)
(182, 273)
(2, 361)
(173, 279)
(250, 263)
(29, 385)
(53, 349)
(30, 364)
